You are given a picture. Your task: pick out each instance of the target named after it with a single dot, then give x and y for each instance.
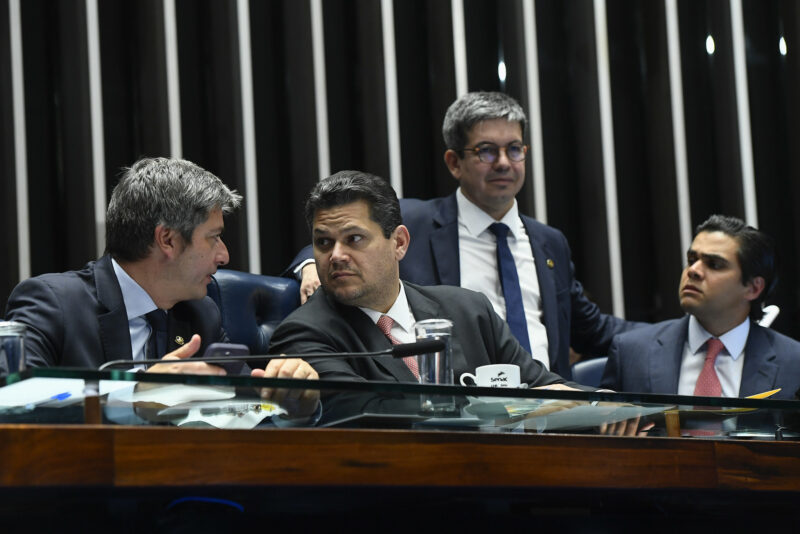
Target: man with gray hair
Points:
(146, 297)
(476, 238)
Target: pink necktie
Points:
(708, 382)
(385, 324)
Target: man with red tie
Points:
(718, 349)
(478, 238)
(358, 241)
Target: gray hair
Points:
(172, 192)
(475, 107)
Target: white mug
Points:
(501, 375)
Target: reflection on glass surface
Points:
(56, 396)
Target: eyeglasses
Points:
(488, 153)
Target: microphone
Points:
(401, 350)
(425, 346)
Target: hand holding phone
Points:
(225, 350)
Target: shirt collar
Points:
(400, 312)
(734, 339)
(478, 221)
(137, 301)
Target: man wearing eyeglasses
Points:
(476, 238)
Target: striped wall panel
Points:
(645, 118)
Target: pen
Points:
(238, 409)
(57, 397)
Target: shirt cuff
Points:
(298, 271)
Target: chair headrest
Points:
(589, 372)
(252, 305)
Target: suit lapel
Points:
(178, 328)
(760, 371)
(664, 359)
(421, 306)
(115, 337)
(444, 242)
(424, 308)
(374, 340)
(547, 288)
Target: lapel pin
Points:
(179, 340)
(550, 263)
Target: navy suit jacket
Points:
(480, 337)
(648, 360)
(568, 316)
(78, 318)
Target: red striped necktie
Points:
(385, 323)
(708, 384)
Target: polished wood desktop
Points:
(497, 460)
(139, 457)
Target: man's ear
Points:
(401, 239)
(167, 240)
(754, 287)
(453, 163)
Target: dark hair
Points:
(475, 107)
(173, 192)
(756, 254)
(346, 187)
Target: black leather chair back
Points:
(589, 372)
(252, 305)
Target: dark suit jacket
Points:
(480, 336)
(568, 316)
(78, 318)
(648, 360)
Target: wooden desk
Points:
(128, 479)
(134, 457)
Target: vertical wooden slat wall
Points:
(136, 109)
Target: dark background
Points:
(59, 159)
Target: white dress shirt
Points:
(400, 313)
(729, 362)
(478, 265)
(137, 304)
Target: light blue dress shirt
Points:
(137, 304)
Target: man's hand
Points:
(309, 283)
(298, 402)
(186, 351)
(628, 427)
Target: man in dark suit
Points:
(79, 319)
(718, 349)
(358, 240)
(147, 295)
(454, 242)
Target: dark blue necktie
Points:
(509, 280)
(157, 344)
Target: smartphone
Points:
(224, 350)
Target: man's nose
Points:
(222, 254)
(695, 270)
(339, 252)
(502, 160)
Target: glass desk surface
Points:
(75, 396)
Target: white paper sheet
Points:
(53, 391)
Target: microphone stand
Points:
(401, 350)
